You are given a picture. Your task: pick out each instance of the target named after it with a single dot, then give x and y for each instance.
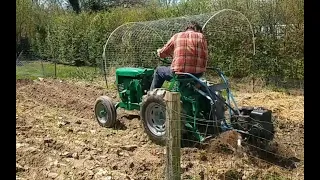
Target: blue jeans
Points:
(164, 73)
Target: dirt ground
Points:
(57, 137)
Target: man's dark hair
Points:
(195, 26)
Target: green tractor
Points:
(207, 108)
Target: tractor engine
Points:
(132, 84)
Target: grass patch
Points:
(33, 70)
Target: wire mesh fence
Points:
(29, 66)
(250, 148)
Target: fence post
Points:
(55, 69)
(42, 67)
(173, 128)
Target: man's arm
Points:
(167, 49)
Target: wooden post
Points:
(42, 67)
(173, 133)
(55, 69)
(253, 83)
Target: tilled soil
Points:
(57, 137)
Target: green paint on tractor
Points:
(132, 84)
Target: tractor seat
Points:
(185, 78)
(180, 75)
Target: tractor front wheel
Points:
(105, 112)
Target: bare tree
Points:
(75, 5)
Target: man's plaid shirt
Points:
(188, 50)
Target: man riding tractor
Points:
(203, 110)
(189, 52)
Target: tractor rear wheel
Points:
(153, 116)
(105, 112)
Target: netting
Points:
(228, 32)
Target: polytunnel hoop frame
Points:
(161, 38)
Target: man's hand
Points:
(158, 52)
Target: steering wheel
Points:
(166, 61)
